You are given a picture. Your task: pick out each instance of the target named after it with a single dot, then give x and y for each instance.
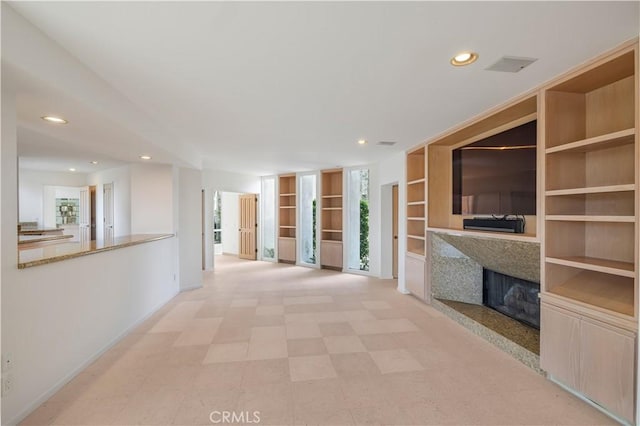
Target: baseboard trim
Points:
(191, 287)
(588, 401)
(71, 375)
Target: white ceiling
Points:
(270, 87)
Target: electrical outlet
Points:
(7, 362)
(7, 384)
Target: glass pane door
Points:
(307, 218)
(268, 198)
(358, 219)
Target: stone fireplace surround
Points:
(456, 274)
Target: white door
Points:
(107, 205)
(84, 216)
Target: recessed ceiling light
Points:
(56, 120)
(94, 162)
(72, 169)
(145, 157)
(362, 142)
(464, 58)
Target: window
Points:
(358, 219)
(268, 218)
(217, 218)
(307, 218)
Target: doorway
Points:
(107, 206)
(247, 230)
(92, 197)
(394, 224)
(390, 244)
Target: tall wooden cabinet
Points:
(415, 267)
(590, 250)
(331, 219)
(287, 218)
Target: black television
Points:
(497, 175)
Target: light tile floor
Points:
(303, 346)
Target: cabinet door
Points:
(560, 345)
(607, 367)
(287, 249)
(331, 254)
(414, 276)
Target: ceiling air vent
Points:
(386, 143)
(511, 64)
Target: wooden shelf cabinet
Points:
(416, 201)
(590, 243)
(331, 219)
(287, 218)
(591, 175)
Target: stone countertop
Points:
(40, 231)
(35, 256)
(32, 239)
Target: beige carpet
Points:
(290, 345)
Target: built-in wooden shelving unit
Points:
(590, 241)
(416, 201)
(588, 157)
(287, 217)
(331, 219)
(591, 175)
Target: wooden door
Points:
(247, 247)
(84, 216)
(107, 208)
(394, 242)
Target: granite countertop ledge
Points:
(35, 256)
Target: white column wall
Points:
(391, 171)
(230, 222)
(189, 230)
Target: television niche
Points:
(497, 175)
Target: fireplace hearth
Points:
(511, 296)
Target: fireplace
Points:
(514, 297)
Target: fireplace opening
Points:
(511, 296)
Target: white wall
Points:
(152, 199)
(392, 171)
(121, 179)
(220, 180)
(9, 240)
(190, 228)
(57, 318)
(31, 191)
(230, 218)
